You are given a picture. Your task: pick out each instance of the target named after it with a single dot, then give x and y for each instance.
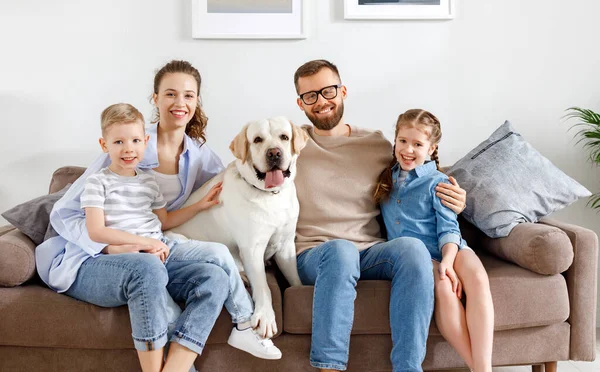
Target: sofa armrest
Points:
(6, 228)
(582, 281)
(540, 248)
(17, 258)
(275, 298)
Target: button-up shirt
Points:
(413, 210)
(58, 259)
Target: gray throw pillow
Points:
(32, 218)
(508, 182)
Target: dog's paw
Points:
(263, 320)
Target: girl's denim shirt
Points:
(413, 210)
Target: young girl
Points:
(406, 192)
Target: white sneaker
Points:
(250, 342)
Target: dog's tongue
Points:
(274, 178)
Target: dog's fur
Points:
(255, 221)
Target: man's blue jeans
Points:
(335, 267)
(202, 275)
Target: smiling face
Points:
(125, 144)
(412, 146)
(176, 100)
(325, 114)
(266, 152)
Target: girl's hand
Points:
(211, 199)
(447, 272)
(451, 195)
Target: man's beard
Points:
(330, 122)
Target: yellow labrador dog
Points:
(258, 209)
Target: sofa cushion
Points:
(48, 319)
(537, 247)
(521, 299)
(32, 218)
(508, 182)
(17, 259)
(63, 176)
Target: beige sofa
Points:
(543, 279)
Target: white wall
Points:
(527, 61)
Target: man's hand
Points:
(451, 195)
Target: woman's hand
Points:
(211, 199)
(451, 195)
(447, 272)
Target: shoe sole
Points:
(267, 357)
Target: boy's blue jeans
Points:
(335, 267)
(202, 275)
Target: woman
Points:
(182, 162)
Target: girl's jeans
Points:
(335, 267)
(202, 275)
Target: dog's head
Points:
(266, 152)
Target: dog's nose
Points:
(274, 153)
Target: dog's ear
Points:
(239, 145)
(299, 138)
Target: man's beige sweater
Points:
(335, 181)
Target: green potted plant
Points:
(588, 125)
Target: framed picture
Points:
(399, 9)
(248, 19)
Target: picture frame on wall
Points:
(399, 9)
(248, 19)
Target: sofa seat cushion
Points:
(521, 299)
(35, 316)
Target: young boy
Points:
(125, 209)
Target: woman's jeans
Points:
(200, 274)
(335, 267)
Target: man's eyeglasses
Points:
(329, 92)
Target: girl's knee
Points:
(443, 291)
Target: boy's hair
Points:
(196, 128)
(312, 67)
(414, 118)
(119, 113)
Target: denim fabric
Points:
(413, 210)
(335, 267)
(202, 275)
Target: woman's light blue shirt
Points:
(58, 259)
(414, 210)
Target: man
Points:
(338, 238)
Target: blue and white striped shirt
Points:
(58, 259)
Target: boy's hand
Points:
(157, 248)
(212, 198)
(447, 272)
(124, 248)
